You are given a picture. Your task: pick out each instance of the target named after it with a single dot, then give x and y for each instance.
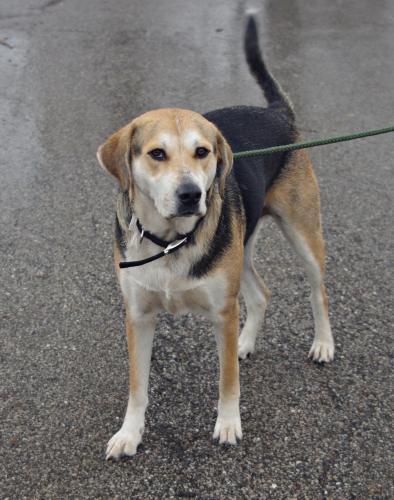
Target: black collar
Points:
(158, 241)
(169, 246)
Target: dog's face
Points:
(172, 156)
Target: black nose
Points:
(189, 194)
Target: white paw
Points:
(245, 347)
(323, 352)
(123, 443)
(227, 430)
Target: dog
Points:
(186, 224)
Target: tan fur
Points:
(114, 155)
(229, 368)
(295, 197)
(231, 261)
(228, 347)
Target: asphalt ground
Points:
(73, 72)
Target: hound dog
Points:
(179, 189)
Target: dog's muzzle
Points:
(188, 199)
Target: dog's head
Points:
(172, 156)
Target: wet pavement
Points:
(71, 73)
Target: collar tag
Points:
(174, 244)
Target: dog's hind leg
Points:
(294, 203)
(310, 248)
(256, 295)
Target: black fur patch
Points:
(126, 216)
(120, 237)
(249, 127)
(128, 209)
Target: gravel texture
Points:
(72, 72)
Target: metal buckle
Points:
(174, 244)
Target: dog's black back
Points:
(250, 127)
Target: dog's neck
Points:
(143, 209)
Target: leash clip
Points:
(174, 244)
(142, 235)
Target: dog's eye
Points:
(202, 152)
(158, 154)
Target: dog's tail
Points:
(271, 88)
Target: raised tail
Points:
(271, 88)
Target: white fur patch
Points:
(228, 423)
(192, 139)
(167, 141)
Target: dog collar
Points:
(169, 246)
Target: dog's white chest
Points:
(184, 302)
(160, 279)
(174, 293)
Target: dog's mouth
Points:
(188, 213)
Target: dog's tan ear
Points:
(225, 162)
(115, 155)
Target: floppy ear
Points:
(115, 155)
(225, 162)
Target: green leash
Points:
(311, 144)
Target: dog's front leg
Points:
(228, 423)
(140, 332)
